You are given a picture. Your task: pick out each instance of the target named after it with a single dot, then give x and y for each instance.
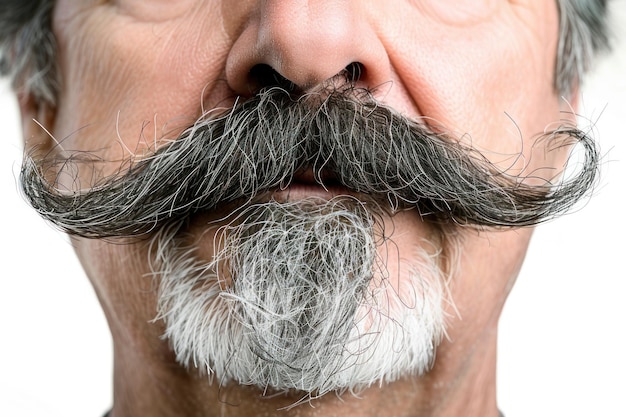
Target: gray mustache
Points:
(263, 142)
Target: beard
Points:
(297, 296)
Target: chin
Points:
(309, 296)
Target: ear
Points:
(37, 125)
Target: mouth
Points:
(304, 185)
(308, 184)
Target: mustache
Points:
(262, 143)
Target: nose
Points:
(301, 44)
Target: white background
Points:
(562, 335)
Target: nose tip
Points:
(298, 45)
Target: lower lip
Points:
(301, 191)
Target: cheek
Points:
(489, 264)
(489, 82)
(120, 97)
(113, 269)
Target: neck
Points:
(461, 383)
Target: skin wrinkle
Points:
(458, 14)
(167, 11)
(80, 22)
(444, 107)
(125, 69)
(195, 44)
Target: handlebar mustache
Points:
(261, 143)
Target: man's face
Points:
(135, 74)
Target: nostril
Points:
(263, 75)
(353, 72)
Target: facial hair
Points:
(296, 297)
(341, 135)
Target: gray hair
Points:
(28, 48)
(27, 45)
(583, 33)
